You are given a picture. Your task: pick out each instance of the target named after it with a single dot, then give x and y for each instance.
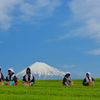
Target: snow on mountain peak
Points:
(42, 69)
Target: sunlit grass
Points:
(51, 90)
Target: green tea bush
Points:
(51, 90)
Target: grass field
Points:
(51, 90)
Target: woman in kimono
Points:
(1, 78)
(28, 78)
(11, 79)
(88, 80)
(67, 79)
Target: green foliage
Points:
(51, 90)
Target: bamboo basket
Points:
(2, 83)
(91, 83)
(71, 83)
(7, 83)
(26, 84)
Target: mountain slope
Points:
(43, 71)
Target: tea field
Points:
(51, 90)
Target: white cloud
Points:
(87, 12)
(86, 19)
(39, 8)
(24, 9)
(94, 52)
(69, 66)
(86, 16)
(6, 8)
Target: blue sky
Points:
(62, 33)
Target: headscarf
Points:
(10, 69)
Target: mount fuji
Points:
(43, 71)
